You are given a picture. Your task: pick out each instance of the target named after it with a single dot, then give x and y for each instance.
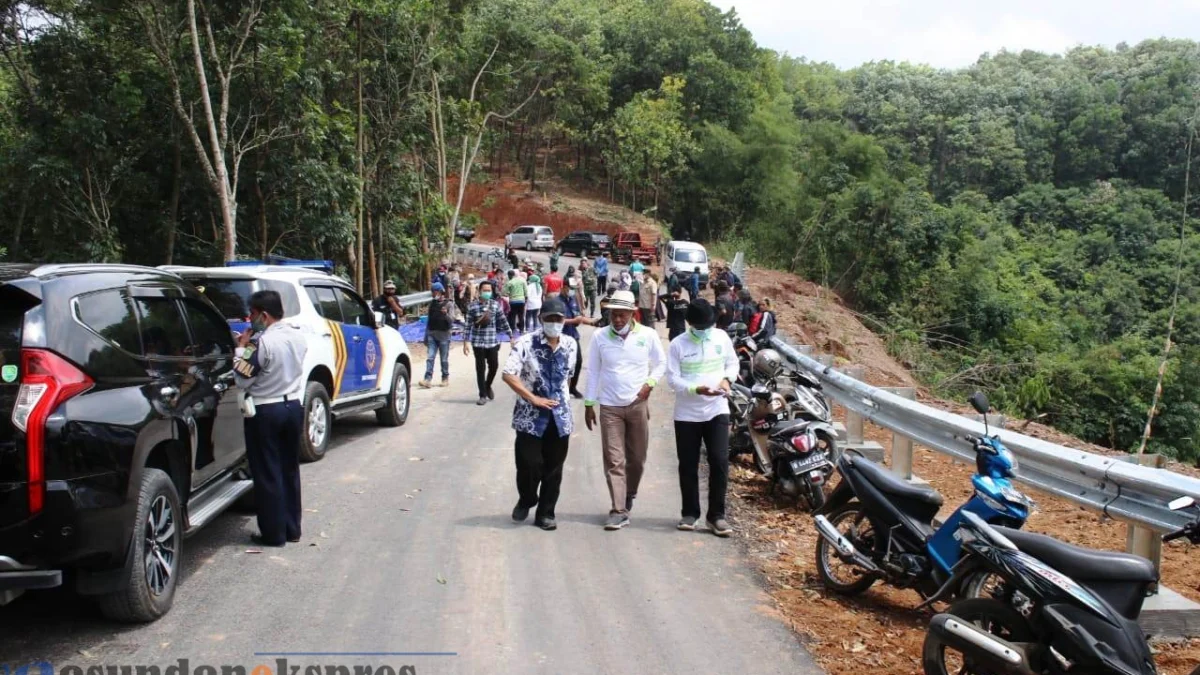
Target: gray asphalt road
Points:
(543, 257)
(408, 547)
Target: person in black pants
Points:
(701, 367)
(485, 323)
(271, 371)
(538, 370)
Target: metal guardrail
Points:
(415, 299)
(1111, 485)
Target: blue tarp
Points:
(414, 333)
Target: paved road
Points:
(544, 257)
(408, 547)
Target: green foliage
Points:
(1013, 225)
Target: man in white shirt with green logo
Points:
(701, 366)
(625, 362)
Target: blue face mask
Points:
(700, 334)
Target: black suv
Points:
(120, 430)
(584, 243)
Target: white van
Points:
(530, 237)
(683, 257)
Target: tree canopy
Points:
(1014, 225)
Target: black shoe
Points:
(629, 502)
(575, 394)
(546, 524)
(294, 540)
(482, 401)
(491, 394)
(258, 539)
(520, 513)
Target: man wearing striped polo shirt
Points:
(625, 362)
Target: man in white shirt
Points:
(701, 365)
(625, 362)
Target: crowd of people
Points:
(540, 309)
(540, 313)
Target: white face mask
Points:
(625, 331)
(552, 330)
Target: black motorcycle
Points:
(797, 455)
(1056, 608)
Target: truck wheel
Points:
(395, 413)
(318, 418)
(157, 546)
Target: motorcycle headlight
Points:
(1014, 495)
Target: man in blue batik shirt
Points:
(539, 369)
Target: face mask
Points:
(259, 323)
(625, 331)
(552, 330)
(486, 295)
(700, 334)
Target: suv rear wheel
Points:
(318, 418)
(395, 413)
(157, 545)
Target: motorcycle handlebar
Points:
(1191, 531)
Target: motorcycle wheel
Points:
(852, 522)
(816, 497)
(993, 616)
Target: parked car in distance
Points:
(354, 364)
(683, 257)
(120, 431)
(530, 237)
(464, 233)
(629, 246)
(584, 243)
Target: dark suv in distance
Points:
(120, 431)
(584, 243)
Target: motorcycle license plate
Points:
(800, 466)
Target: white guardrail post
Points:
(1128, 491)
(902, 446)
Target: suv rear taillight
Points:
(46, 381)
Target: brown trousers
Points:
(625, 435)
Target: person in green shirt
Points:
(514, 290)
(589, 285)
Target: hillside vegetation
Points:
(1014, 225)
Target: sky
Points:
(954, 33)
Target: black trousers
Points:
(578, 366)
(487, 362)
(715, 436)
(273, 451)
(540, 465)
(601, 284)
(516, 316)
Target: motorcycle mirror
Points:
(979, 402)
(1181, 503)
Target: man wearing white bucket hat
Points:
(625, 362)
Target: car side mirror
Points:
(379, 320)
(979, 402)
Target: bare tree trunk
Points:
(264, 233)
(371, 256)
(173, 202)
(21, 219)
(362, 185)
(216, 141)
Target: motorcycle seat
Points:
(787, 428)
(1082, 564)
(888, 482)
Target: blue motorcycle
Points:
(876, 525)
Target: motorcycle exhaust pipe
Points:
(971, 640)
(843, 545)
